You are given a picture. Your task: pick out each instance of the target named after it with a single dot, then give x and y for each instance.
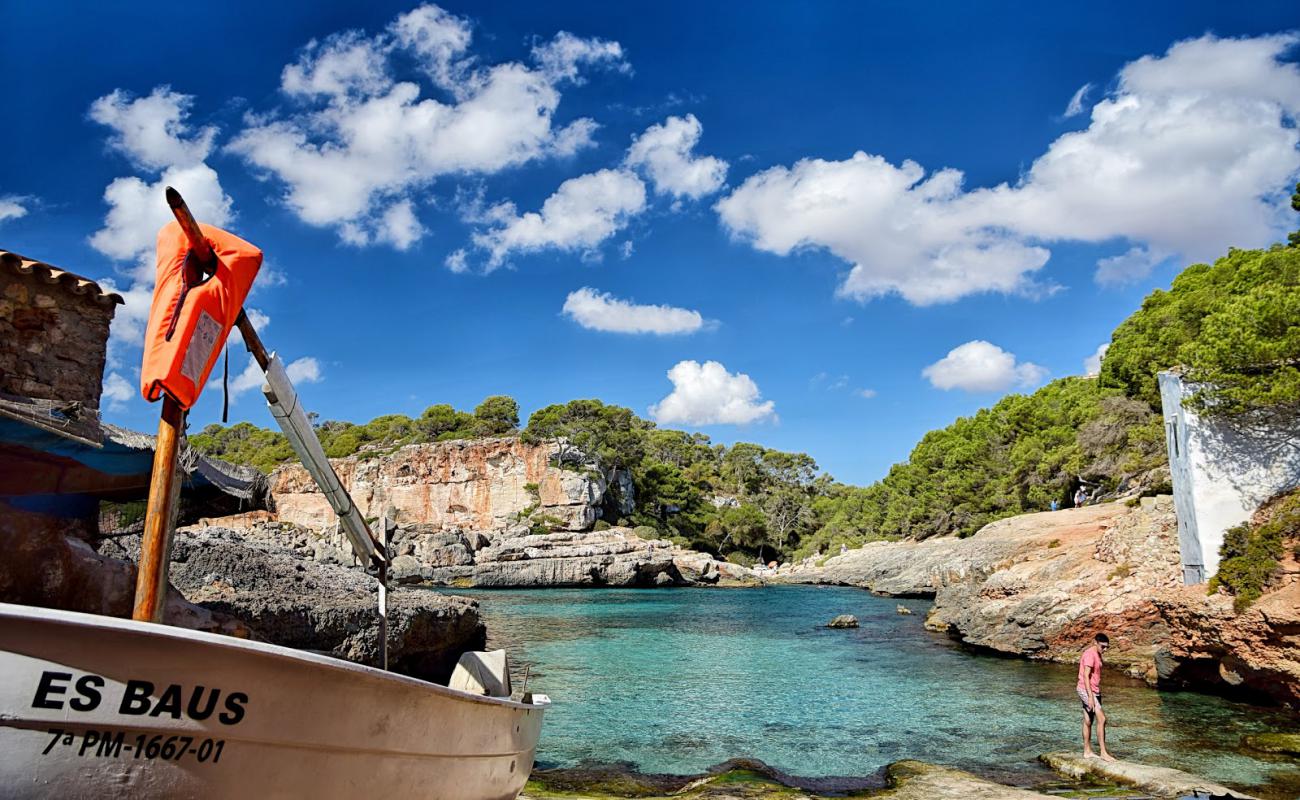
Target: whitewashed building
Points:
(1221, 474)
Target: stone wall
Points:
(477, 485)
(52, 341)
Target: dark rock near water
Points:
(45, 565)
(288, 599)
(843, 621)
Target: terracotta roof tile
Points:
(52, 274)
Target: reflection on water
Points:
(676, 681)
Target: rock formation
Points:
(1157, 780)
(1042, 585)
(479, 484)
(270, 583)
(45, 564)
(488, 512)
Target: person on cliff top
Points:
(1080, 497)
(1089, 689)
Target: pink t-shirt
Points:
(1090, 658)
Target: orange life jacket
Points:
(192, 314)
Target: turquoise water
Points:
(675, 681)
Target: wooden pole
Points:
(155, 545)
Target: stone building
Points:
(1221, 473)
(53, 336)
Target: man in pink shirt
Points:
(1089, 689)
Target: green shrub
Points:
(741, 557)
(1250, 555)
(601, 525)
(645, 532)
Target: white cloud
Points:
(118, 391)
(397, 226)
(562, 57)
(1092, 364)
(1076, 102)
(706, 394)
(978, 366)
(304, 370)
(903, 234)
(151, 131)
(663, 151)
(251, 378)
(1188, 155)
(12, 208)
(345, 64)
(601, 311)
(866, 394)
(1130, 267)
(300, 371)
(457, 261)
(137, 210)
(440, 39)
(361, 142)
(581, 214)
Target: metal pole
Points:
(385, 528)
(155, 545)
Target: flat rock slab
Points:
(907, 780)
(917, 780)
(1159, 781)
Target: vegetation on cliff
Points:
(1252, 552)
(1234, 327)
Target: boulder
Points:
(843, 621)
(45, 566)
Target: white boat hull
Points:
(95, 707)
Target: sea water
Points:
(678, 680)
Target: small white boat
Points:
(96, 707)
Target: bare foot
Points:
(1089, 754)
(1107, 757)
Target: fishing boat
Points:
(97, 707)
(94, 706)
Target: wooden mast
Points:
(160, 517)
(160, 514)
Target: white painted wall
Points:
(1221, 475)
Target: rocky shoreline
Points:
(1042, 585)
(740, 779)
(290, 600)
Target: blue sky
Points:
(434, 185)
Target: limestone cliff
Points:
(479, 484)
(1041, 585)
(486, 512)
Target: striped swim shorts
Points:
(1083, 698)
